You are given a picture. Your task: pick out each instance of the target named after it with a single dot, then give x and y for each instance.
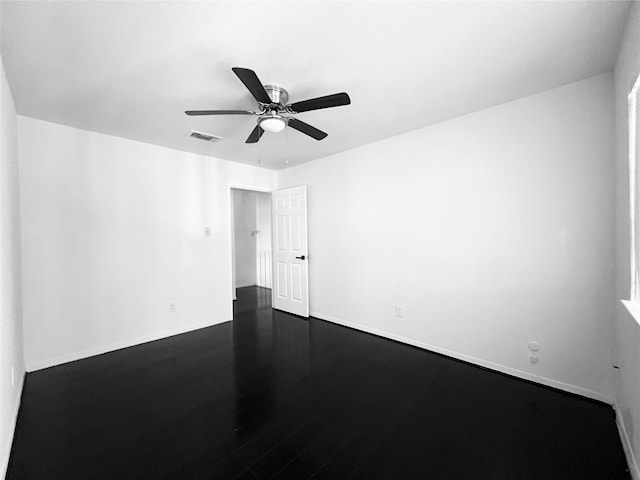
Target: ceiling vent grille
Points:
(207, 137)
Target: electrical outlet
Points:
(207, 231)
(399, 311)
(172, 308)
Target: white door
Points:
(290, 265)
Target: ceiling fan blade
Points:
(255, 135)
(220, 112)
(306, 129)
(253, 84)
(328, 101)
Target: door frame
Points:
(232, 243)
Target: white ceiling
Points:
(130, 69)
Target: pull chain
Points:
(286, 143)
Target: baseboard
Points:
(626, 444)
(32, 366)
(12, 429)
(470, 359)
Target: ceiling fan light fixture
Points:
(272, 123)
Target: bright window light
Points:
(634, 186)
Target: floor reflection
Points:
(271, 357)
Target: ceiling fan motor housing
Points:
(277, 94)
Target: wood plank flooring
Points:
(270, 395)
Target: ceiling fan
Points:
(274, 112)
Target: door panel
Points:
(296, 239)
(296, 282)
(282, 291)
(291, 292)
(282, 233)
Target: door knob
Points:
(303, 257)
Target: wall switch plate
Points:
(399, 311)
(207, 231)
(172, 308)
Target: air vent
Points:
(207, 137)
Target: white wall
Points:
(627, 330)
(11, 356)
(491, 230)
(113, 233)
(245, 224)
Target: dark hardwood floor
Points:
(271, 395)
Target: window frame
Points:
(633, 116)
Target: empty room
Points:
(320, 240)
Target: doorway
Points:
(251, 239)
